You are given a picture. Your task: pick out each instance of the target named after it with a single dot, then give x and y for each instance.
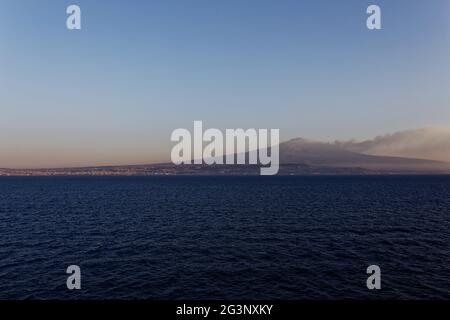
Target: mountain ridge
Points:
(297, 157)
(315, 153)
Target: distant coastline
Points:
(168, 169)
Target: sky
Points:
(113, 92)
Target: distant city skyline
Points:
(112, 92)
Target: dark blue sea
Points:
(225, 237)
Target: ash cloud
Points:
(432, 143)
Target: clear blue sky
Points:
(113, 92)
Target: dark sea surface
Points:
(225, 237)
